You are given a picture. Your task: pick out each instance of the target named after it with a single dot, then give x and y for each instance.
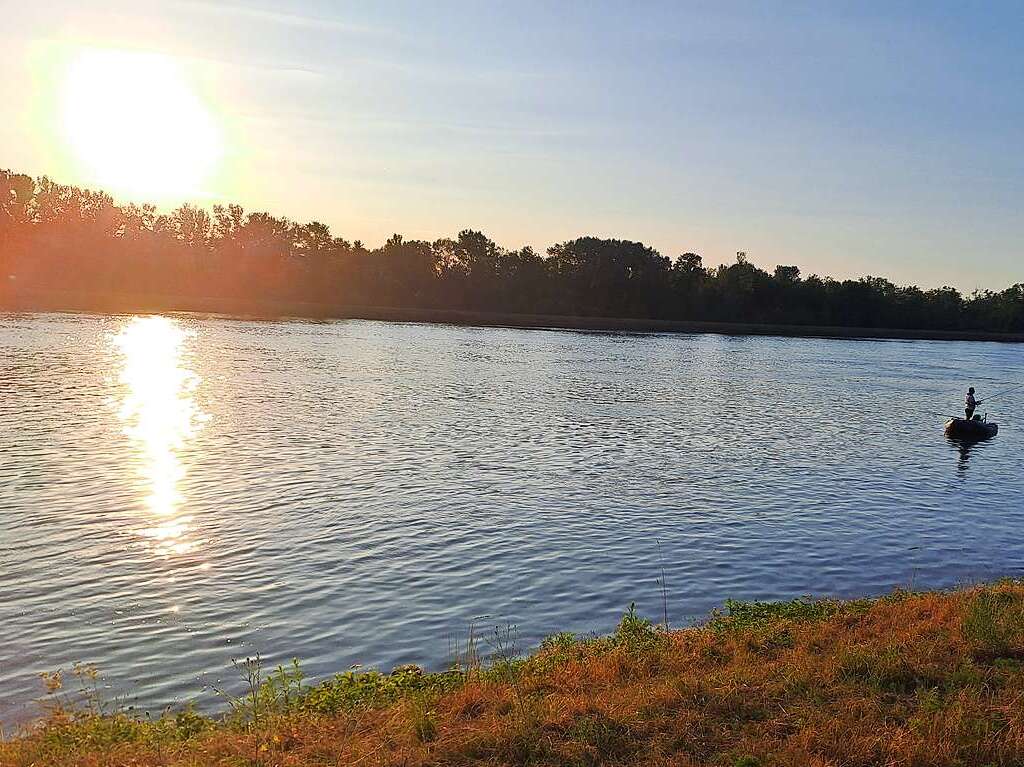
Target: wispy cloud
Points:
(281, 18)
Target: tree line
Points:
(55, 237)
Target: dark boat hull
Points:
(961, 428)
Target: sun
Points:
(136, 125)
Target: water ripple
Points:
(358, 492)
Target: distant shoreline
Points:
(53, 301)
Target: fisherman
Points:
(970, 403)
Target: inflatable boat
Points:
(976, 428)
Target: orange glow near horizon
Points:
(160, 416)
(135, 124)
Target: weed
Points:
(602, 736)
(505, 663)
(964, 676)
(423, 717)
(930, 701)
(282, 691)
(664, 587)
(465, 655)
(564, 640)
(245, 709)
(188, 724)
(82, 698)
(636, 632)
(770, 639)
(748, 615)
(368, 689)
(523, 740)
(887, 671)
(994, 624)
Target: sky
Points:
(849, 139)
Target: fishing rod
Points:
(1004, 391)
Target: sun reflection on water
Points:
(160, 416)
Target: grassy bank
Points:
(56, 301)
(909, 679)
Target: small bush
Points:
(372, 688)
(188, 724)
(563, 640)
(635, 631)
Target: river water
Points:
(178, 491)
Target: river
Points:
(178, 491)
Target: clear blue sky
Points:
(846, 138)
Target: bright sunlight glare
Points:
(135, 124)
(160, 416)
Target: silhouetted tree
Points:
(58, 238)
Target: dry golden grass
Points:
(912, 679)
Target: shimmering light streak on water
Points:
(160, 415)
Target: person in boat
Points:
(970, 403)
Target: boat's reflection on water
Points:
(964, 448)
(160, 416)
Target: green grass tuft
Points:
(750, 615)
(994, 624)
